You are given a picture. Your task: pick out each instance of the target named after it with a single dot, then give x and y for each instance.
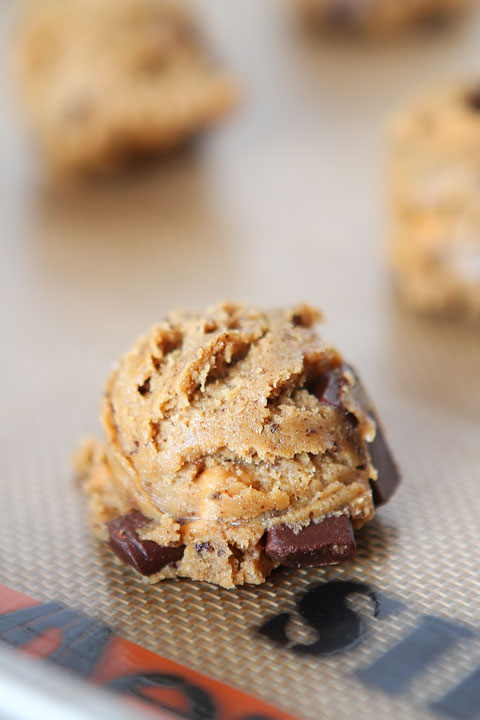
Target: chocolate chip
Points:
(144, 555)
(145, 388)
(326, 543)
(236, 554)
(203, 547)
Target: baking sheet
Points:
(284, 202)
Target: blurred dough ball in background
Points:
(434, 169)
(104, 81)
(377, 17)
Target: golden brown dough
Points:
(105, 80)
(434, 181)
(213, 431)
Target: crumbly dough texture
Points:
(377, 17)
(212, 432)
(434, 183)
(105, 80)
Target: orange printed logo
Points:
(89, 648)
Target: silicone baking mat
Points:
(284, 202)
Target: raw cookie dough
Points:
(105, 80)
(377, 17)
(235, 440)
(435, 180)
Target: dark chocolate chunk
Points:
(326, 543)
(328, 388)
(388, 475)
(144, 555)
(382, 459)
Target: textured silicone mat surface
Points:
(282, 203)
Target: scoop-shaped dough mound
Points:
(102, 82)
(217, 430)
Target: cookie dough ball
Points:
(235, 440)
(103, 81)
(434, 178)
(377, 17)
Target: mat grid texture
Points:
(85, 270)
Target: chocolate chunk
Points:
(144, 555)
(382, 459)
(388, 475)
(326, 543)
(328, 388)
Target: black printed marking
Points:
(82, 645)
(275, 628)
(385, 605)
(83, 640)
(338, 626)
(393, 672)
(201, 705)
(27, 630)
(325, 609)
(12, 620)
